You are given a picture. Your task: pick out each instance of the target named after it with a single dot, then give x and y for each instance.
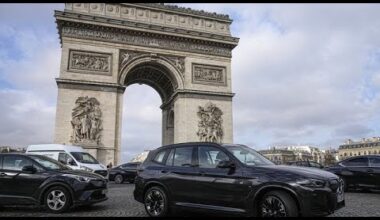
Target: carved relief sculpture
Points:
(210, 127)
(83, 61)
(207, 74)
(86, 122)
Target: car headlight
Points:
(312, 183)
(80, 178)
(86, 169)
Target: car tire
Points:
(57, 199)
(156, 202)
(119, 179)
(277, 204)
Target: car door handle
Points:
(370, 171)
(202, 173)
(164, 171)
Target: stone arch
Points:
(158, 63)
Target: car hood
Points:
(81, 173)
(307, 172)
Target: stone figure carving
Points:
(86, 122)
(80, 60)
(209, 74)
(210, 127)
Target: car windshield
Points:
(83, 157)
(49, 163)
(248, 156)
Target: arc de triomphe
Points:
(184, 54)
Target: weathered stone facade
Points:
(184, 54)
(366, 146)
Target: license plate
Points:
(104, 191)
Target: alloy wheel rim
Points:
(154, 202)
(56, 200)
(273, 207)
(118, 179)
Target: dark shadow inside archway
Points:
(142, 131)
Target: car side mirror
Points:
(226, 164)
(29, 169)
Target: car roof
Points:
(184, 144)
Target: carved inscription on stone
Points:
(207, 74)
(86, 122)
(90, 62)
(210, 127)
(151, 41)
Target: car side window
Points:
(314, 164)
(374, 162)
(169, 161)
(62, 158)
(356, 162)
(14, 162)
(182, 156)
(159, 158)
(209, 157)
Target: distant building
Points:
(283, 154)
(8, 149)
(366, 146)
(278, 156)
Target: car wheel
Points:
(277, 204)
(119, 179)
(156, 202)
(57, 199)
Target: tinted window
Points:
(15, 162)
(182, 156)
(169, 161)
(84, 157)
(374, 161)
(314, 164)
(159, 158)
(62, 157)
(209, 157)
(356, 162)
(247, 155)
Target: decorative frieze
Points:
(208, 74)
(90, 62)
(210, 127)
(154, 14)
(114, 35)
(127, 56)
(86, 122)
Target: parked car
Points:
(234, 179)
(40, 180)
(305, 163)
(73, 156)
(361, 172)
(127, 171)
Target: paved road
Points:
(121, 203)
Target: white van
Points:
(73, 156)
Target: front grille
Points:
(99, 183)
(97, 195)
(101, 172)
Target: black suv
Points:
(127, 171)
(234, 179)
(361, 172)
(34, 179)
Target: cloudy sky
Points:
(302, 74)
